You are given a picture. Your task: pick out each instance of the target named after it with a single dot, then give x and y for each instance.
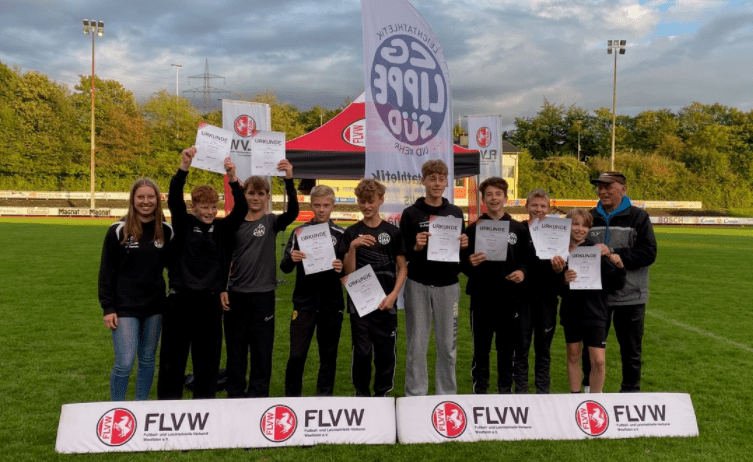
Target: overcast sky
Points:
(504, 56)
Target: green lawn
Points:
(55, 350)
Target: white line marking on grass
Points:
(699, 331)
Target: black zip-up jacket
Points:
(320, 291)
(131, 281)
(198, 251)
(541, 281)
(489, 276)
(415, 219)
(589, 307)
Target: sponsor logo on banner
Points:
(355, 133)
(244, 125)
(409, 88)
(635, 418)
(322, 423)
(592, 418)
(449, 419)
(116, 427)
(278, 423)
(484, 137)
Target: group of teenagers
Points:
(222, 273)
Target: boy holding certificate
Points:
(375, 242)
(317, 298)
(249, 302)
(583, 313)
(494, 284)
(193, 320)
(537, 323)
(432, 291)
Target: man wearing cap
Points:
(625, 230)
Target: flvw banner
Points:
(438, 419)
(408, 102)
(224, 423)
(484, 135)
(244, 118)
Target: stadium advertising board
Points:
(438, 419)
(211, 424)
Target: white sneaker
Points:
(586, 389)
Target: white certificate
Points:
(553, 237)
(533, 230)
(364, 290)
(316, 242)
(444, 242)
(212, 147)
(267, 150)
(586, 262)
(491, 239)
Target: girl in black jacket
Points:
(132, 287)
(583, 313)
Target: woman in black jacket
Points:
(583, 313)
(132, 287)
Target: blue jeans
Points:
(134, 335)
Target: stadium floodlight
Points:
(96, 28)
(619, 47)
(177, 69)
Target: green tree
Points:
(542, 135)
(121, 136)
(172, 122)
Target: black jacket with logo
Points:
(589, 307)
(320, 291)
(415, 219)
(489, 276)
(131, 281)
(198, 250)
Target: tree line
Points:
(700, 153)
(45, 133)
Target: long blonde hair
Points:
(132, 229)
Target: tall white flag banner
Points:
(244, 118)
(484, 135)
(408, 102)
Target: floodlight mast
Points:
(619, 47)
(95, 28)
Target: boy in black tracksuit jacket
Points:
(537, 323)
(317, 303)
(194, 316)
(497, 294)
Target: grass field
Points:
(55, 350)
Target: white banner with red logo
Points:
(438, 419)
(408, 101)
(224, 423)
(484, 134)
(244, 118)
